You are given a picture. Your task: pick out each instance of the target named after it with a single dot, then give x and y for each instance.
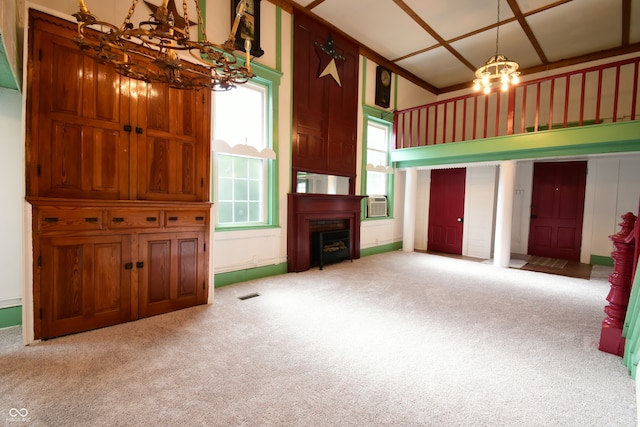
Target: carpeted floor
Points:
(396, 339)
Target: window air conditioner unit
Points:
(377, 206)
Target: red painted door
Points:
(446, 210)
(557, 207)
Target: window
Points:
(377, 157)
(378, 175)
(242, 156)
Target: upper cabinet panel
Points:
(93, 134)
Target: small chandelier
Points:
(149, 52)
(498, 67)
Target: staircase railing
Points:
(599, 94)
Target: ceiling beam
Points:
(527, 30)
(603, 54)
(413, 15)
(289, 6)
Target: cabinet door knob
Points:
(139, 264)
(50, 219)
(138, 130)
(128, 266)
(152, 219)
(173, 218)
(117, 219)
(127, 128)
(199, 218)
(91, 219)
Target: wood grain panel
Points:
(324, 112)
(187, 268)
(85, 284)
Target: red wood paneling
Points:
(324, 112)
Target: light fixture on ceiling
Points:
(149, 52)
(497, 68)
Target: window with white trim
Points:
(377, 158)
(242, 156)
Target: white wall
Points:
(239, 250)
(612, 189)
(479, 211)
(12, 193)
(616, 191)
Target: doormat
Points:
(548, 262)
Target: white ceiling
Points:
(439, 43)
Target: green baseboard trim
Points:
(10, 316)
(381, 249)
(225, 279)
(607, 261)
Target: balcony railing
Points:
(601, 94)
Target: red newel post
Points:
(611, 340)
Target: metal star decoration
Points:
(171, 7)
(328, 57)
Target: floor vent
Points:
(248, 296)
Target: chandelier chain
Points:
(497, 68)
(185, 14)
(498, 28)
(127, 20)
(203, 30)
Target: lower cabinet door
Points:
(171, 271)
(84, 283)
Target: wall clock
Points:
(383, 86)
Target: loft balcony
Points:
(583, 112)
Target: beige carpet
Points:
(397, 339)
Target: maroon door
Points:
(446, 210)
(557, 207)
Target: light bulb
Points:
(515, 79)
(485, 78)
(504, 78)
(504, 87)
(476, 85)
(487, 90)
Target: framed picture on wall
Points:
(249, 27)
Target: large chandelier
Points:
(497, 68)
(150, 51)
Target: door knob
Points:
(460, 219)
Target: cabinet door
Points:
(172, 271)
(83, 284)
(173, 144)
(77, 143)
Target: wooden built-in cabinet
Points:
(94, 134)
(99, 264)
(118, 178)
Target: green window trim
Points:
(384, 118)
(270, 79)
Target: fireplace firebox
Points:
(330, 246)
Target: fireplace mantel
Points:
(305, 208)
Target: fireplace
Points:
(330, 246)
(313, 213)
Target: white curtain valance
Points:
(220, 146)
